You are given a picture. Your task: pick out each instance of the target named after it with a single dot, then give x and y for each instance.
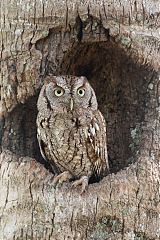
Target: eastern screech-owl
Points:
(71, 130)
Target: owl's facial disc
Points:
(81, 93)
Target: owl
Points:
(71, 131)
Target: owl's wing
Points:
(41, 147)
(97, 140)
(44, 153)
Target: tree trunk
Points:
(115, 44)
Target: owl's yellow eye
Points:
(81, 91)
(59, 92)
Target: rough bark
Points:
(116, 45)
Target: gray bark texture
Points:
(115, 44)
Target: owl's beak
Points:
(71, 104)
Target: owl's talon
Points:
(62, 177)
(82, 181)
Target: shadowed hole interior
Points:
(121, 89)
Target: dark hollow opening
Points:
(121, 89)
(19, 133)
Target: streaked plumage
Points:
(71, 130)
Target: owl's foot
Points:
(62, 177)
(82, 181)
